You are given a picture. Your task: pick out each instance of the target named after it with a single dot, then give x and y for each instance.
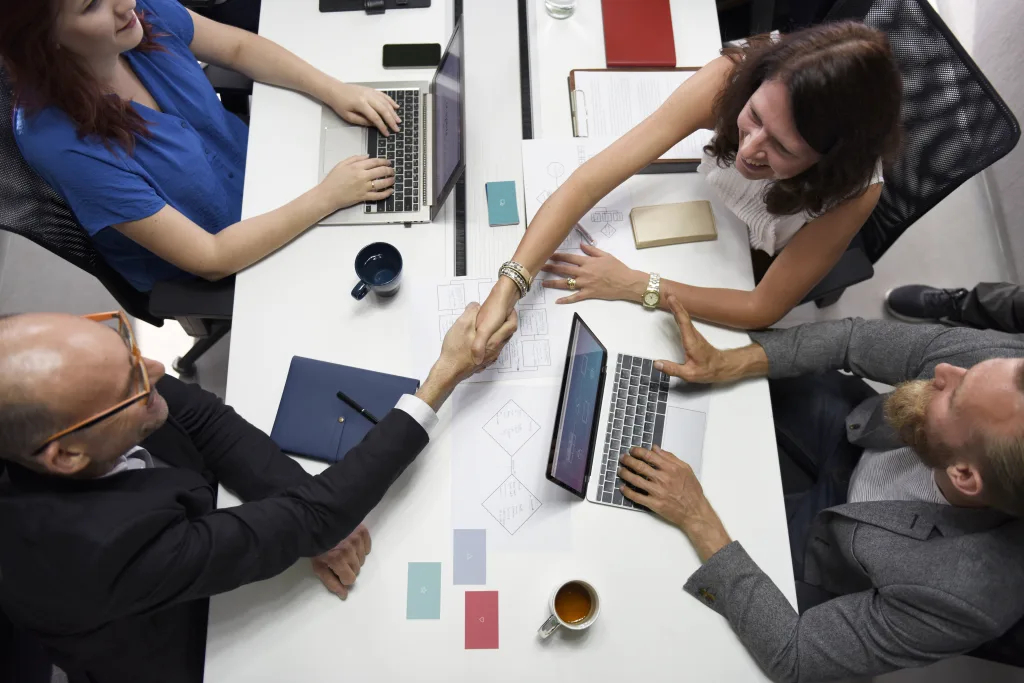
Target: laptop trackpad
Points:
(340, 142)
(684, 435)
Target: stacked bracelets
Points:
(517, 274)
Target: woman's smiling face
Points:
(98, 28)
(771, 148)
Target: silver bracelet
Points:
(515, 277)
(521, 269)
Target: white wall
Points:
(991, 31)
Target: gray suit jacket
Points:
(912, 582)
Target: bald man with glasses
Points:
(110, 538)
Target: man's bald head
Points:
(58, 370)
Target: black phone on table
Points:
(412, 55)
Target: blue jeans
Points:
(814, 455)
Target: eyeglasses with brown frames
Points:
(140, 387)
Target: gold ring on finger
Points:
(571, 282)
(373, 184)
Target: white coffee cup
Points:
(556, 620)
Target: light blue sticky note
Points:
(424, 597)
(469, 557)
(502, 208)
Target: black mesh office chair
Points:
(31, 208)
(244, 14)
(955, 125)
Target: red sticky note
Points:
(481, 620)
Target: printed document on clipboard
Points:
(607, 103)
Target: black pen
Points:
(358, 408)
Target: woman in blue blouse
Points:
(113, 111)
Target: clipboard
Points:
(581, 116)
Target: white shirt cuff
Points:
(418, 410)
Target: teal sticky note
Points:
(502, 208)
(423, 600)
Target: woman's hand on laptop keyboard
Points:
(357, 179)
(364, 106)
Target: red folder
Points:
(638, 33)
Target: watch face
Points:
(651, 298)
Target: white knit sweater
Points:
(743, 197)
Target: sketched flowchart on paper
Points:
(530, 352)
(547, 164)
(501, 437)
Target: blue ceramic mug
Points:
(379, 268)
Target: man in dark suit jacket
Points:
(110, 538)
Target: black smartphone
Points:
(412, 55)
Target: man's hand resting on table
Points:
(706, 364)
(339, 566)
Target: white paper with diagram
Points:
(548, 163)
(501, 440)
(537, 349)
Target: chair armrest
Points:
(193, 299)
(853, 267)
(228, 81)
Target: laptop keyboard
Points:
(636, 417)
(403, 149)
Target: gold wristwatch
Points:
(652, 297)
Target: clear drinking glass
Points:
(560, 9)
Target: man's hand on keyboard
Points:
(667, 486)
(364, 107)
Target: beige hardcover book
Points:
(658, 226)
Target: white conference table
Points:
(297, 302)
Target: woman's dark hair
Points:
(845, 91)
(45, 75)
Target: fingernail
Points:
(658, 365)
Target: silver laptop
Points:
(428, 153)
(611, 402)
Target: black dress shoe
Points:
(921, 303)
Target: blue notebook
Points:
(308, 423)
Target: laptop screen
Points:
(576, 423)
(448, 117)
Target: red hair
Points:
(44, 75)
